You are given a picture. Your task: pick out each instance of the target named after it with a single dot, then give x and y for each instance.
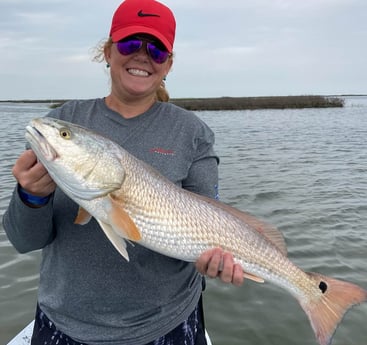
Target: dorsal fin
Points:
(267, 230)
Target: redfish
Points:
(132, 201)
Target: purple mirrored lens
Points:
(129, 47)
(158, 55)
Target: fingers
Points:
(209, 261)
(226, 275)
(215, 263)
(32, 175)
(25, 161)
(238, 277)
(231, 272)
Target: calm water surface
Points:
(304, 171)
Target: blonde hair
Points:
(162, 94)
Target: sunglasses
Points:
(157, 52)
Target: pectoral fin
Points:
(122, 223)
(83, 217)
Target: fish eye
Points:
(65, 133)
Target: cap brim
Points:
(119, 35)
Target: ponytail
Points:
(162, 94)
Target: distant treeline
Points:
(237, 103)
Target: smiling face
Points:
(135, 76)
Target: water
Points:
(18, 273)
(303, 171)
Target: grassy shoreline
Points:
(236, 103)
(251, 103)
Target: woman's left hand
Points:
(217, 263)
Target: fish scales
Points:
(197, 227)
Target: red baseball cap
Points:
(144, 16)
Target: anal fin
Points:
(117, 241)
(254, 278)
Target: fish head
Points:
(83, 164)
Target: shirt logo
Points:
(162, 151)
(142, 14)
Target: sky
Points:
(237, 48)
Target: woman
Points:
(88, 294)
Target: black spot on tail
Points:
(323, 287)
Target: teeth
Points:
(138, 72)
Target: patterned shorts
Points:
(189, 332)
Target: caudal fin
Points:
(326, 311)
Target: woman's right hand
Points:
(32, 175)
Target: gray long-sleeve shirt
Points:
(86, 288)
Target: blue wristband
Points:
(33, 199)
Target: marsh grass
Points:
(274, 102)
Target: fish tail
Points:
(325, 312)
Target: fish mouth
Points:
(39, 144)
